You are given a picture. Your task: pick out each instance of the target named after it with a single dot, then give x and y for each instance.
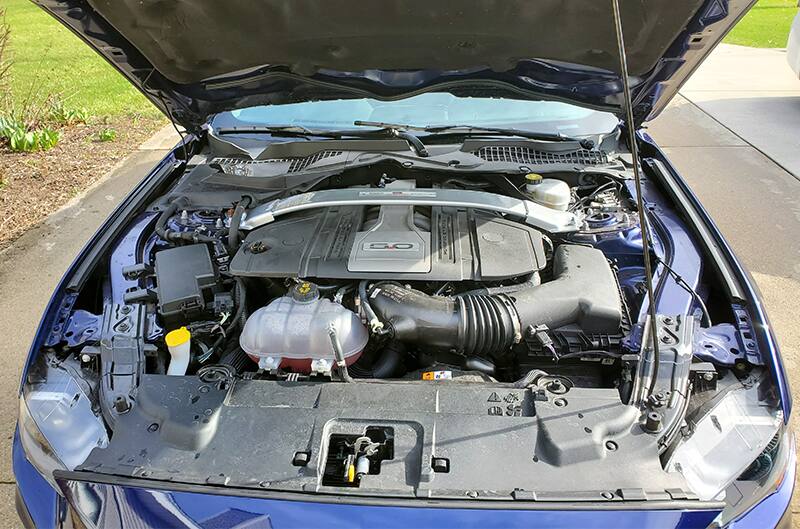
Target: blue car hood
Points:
(195, 59)
(105, 505)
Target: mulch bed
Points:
(34, 185)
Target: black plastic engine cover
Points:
(465, 244)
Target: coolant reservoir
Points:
(549, 192)
(293, 332)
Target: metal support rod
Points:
(341, 363)
(629, 125)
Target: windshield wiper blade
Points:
(543, 136)
(469, 130)
(385, 125)
(292, 130)
(299, 130)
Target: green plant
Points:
(48, 138)
(22, 140)
(9, 126)
(107, 135)
(60, 114)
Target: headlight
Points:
(57, 426)
(731, 433)
(749, 494)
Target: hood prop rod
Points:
(637, 177)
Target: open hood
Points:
(195, 59)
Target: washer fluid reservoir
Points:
(293, 332)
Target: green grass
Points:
(47, 59)
(766, 25)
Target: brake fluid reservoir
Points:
(549, 192)
(293, 332)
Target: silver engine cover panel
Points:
(393, 242)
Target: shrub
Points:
(5, 64)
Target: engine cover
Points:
(392, 242)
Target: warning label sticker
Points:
(437, 375)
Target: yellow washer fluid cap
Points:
(178, 337)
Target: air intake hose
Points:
(584, 291)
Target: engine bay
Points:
(383, 329)
(407, 288)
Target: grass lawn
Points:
(766, 25)
(48, 59)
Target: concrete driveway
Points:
(733, 133)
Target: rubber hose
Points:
(236, 221)
(241, 302)
(169, 235)
(161, 224)
(389, 362)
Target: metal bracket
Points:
(548, 219)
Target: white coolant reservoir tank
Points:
(293, 332)
(548, 192)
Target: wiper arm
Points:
(398, 131)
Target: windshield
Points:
(431, 109)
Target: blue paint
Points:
(718, 344)
(153, 508)
(81, 327)
(39, 497)
(128, 250)
(163, 508)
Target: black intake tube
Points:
(584, 291)
(469, 324)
